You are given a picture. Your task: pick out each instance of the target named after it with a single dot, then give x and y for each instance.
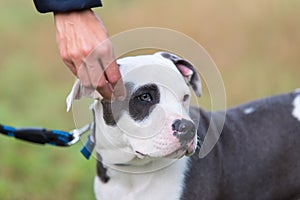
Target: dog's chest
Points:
(166, 183)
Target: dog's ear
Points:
(79, 91)
(187, 70)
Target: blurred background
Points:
(255, 44)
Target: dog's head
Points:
(153, 120)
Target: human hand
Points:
(85, 48)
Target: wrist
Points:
(73, 13)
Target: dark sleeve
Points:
(44, 6)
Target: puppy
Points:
(146, 143)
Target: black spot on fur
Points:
(101, 170)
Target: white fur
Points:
(130, 63)
(166, 183)
(296, 111)
(111, 143)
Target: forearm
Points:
(44, 6)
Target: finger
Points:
(97, 78)
(112, 75)
(105, 90)
(111, 69)
(114, 78)
(83, 75)
(97, 74)
(94, 71)
(71, 66)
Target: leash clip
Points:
(76, 133)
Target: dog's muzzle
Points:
(185, 131)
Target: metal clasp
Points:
(78, 132)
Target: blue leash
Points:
(51, 137)
(38, 135)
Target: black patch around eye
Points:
(138, 103)
(140, 109)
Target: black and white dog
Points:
(146, 144)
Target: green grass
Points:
(255, 44)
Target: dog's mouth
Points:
(191, 149)
(186, 150)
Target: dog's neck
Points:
(126, 180)
(167, 181)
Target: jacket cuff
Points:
(44, 6)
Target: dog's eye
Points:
(146, 97)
